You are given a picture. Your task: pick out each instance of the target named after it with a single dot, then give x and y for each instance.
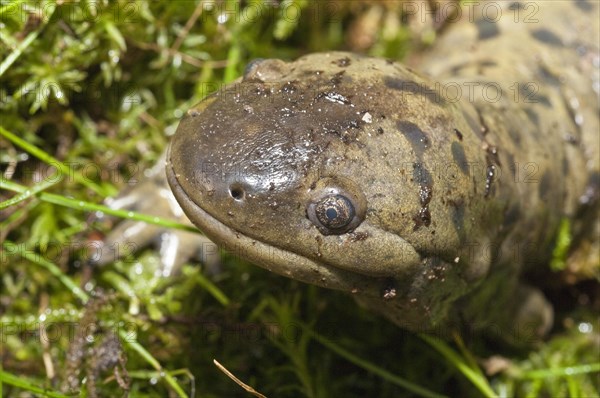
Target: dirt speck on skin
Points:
(358, 236)
(423, 217)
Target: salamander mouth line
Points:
(294, 266)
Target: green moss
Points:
(99, 87)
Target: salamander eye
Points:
(334, 212)
(336, 207)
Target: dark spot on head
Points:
(337, 78)
(548, 76)
(475, 126)
(485, 64)
(514, 135)
(532, 115)
(516, 6)
(487, 29)
(458, 134)
(547, 37)
(421, 175)
(512, 166)
(458, 154)
(415, 88)
(425, 193)
(458, 218)
(423, 217)
(582, 50)
(565, 165)
(584, 5)
(511, 215)
(411, 70)
(542, 99)
(530, 93)
(488, 63)
(415, 136)
(545, 185)
(310, 73)
(342, 62)
(482, 124)
(570, 139)
(456, 69)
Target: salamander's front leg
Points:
(151, 195)
(433, 301)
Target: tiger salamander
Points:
(424, 192)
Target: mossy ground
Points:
(100, 86)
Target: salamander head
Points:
(317, 170)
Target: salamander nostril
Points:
(237, 191)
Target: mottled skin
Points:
(454, 194)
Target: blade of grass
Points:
(50, 160)
(212, 289)
(36, 258)
(87, 206)
(534, 389)
(384, 374)
(558, 372)
(573, 387)
(27, 385)
(471, 361)
(149, 374)
(137, 347)
(475, 376)
(37, 188)
(233, 60)
(8, 223)
(12, 57)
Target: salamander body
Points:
(427, 191)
